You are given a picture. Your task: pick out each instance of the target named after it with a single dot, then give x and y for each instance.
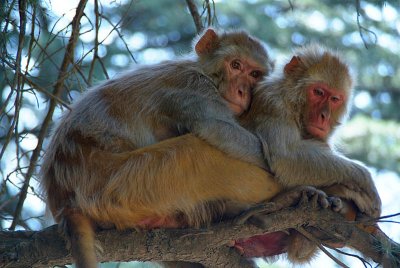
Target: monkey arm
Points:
(296, 161)
(208, 117)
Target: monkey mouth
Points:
(317, 131)
(237, 108)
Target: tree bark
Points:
(210, 247)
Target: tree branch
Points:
(195, 14)
(58, 89)
(207, 246)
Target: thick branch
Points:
(207, 246)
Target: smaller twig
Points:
(76, 66)
(46, 56)
(17, 83)
(96, 40)
(389, 216)
(8, 15)
(8, 201)
(195, 15)
(318, 243)
(53, 36)
(120, 35)
(390, 222)
(6, 101)
(364, 262)
(362, 28)
(291, 5)
(38, 88)
(209, 16)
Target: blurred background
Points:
(115, 35)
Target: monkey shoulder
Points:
(181, 74)
(268, 102)
(108, 112)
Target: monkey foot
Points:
(336, 203)
(308, 195)
(300, 195)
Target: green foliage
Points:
(375, 142)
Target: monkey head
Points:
(325, 86)
(235, 62)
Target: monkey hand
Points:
(299, 194)
(295, 196)
(363, 193)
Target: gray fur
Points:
(276, 116)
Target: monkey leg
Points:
(289, 198)
(349, 208)
(298, 247)
(179, 176)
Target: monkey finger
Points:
(296, 196)
(263, 208)
(323, 201)
(304, 199)
(317, 198)
(335, 203)
(314, 200)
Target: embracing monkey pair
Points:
(186, 142)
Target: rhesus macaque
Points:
(102, 169)
(295, 113)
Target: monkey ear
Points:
(207, 43)
(292, 65)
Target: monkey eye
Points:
(256, 74)
(319, 92)
(335, 99)
(235, 64)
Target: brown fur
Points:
(102, 168)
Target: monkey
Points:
(103, 169)
(296, 111)
(106, 167)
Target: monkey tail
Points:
(300, 249)
(79, 230)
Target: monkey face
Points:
(242, 75)
(322, 109)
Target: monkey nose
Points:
(240, 92)
(325, 115)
